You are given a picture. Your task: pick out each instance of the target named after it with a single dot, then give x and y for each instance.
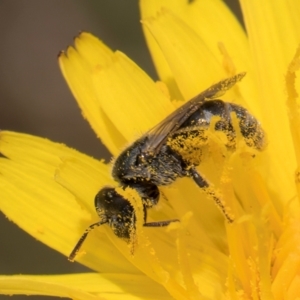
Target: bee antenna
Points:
(82, 239)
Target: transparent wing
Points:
(158, 135)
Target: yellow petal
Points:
(212, 20)
(128, 95)
(113, 92)
(77, 70)
(274, 32)
(214, 23)
(33, 198)
(150, 9)
(186, 53)
(87, 286)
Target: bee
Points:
(167, 152)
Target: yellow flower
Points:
(48, 189)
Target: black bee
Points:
(170, 150)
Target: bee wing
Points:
(158, 135)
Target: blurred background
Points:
(35, 99)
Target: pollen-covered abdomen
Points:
(250, 128)
(191, 139)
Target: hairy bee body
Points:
(134, 165)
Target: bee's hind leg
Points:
(160, 223)
(205, 186)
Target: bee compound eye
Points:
(116, 210)
(106, 194)
(105, 199)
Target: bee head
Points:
(116, 210)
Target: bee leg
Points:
(82, 239)
(205, 186)
(160, 223)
